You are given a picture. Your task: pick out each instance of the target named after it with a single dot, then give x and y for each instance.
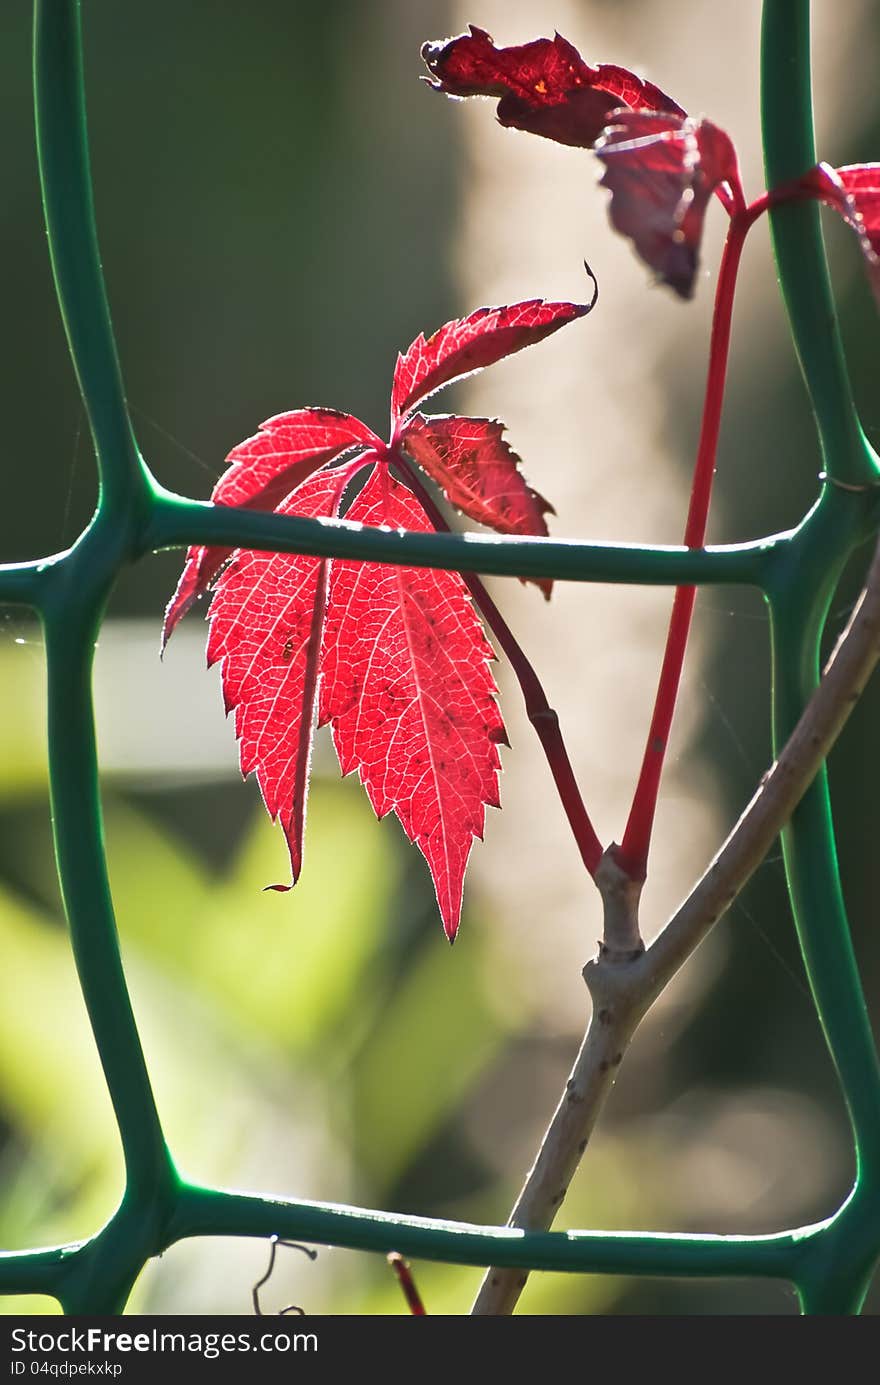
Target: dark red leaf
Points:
(478, 472)
(854, 191)
(545, 86)
(406, 687)
(261, 471)
(661, 171)
(470, 343)
(266, 622)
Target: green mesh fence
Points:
(830, 1263)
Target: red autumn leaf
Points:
(471, 343)
(478, 472)
(545, 86)
(661, 171)
(266, 623)
(407, 690)
(262, 470)
(397, 658)
(854, 191)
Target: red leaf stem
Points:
(542, 716)
(405, 1278)
(633, 852)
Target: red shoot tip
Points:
(407, 1283)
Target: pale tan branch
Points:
(615, 1015)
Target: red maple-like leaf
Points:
(396, 657)
(262, 471)
(854, 191)
(406, 688)
(661, 171)
(545, 86)
(470, 344)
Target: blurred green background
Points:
(280, 205)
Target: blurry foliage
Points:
(328, 1043)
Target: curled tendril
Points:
(595, 299)
(274, 1243)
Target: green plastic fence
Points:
(830, 1263)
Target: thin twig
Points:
(623, 990)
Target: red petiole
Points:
(632, 855)
(407, 1283)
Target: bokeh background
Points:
(282, 206)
